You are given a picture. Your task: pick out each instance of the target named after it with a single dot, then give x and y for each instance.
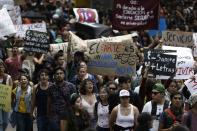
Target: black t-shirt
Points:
(76, 122)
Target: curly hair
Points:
(83, 86)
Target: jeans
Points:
(54, 125)
(3, 120)
(24, 122)
(42, 123)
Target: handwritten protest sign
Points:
(36, 42)
(5, 97)
(135, 14)
(178, 38)
(192, 85)
(86, 15)
(15, 14)
(21, 29)
(112, 58)
(54, 48)
(184, 63)
(160, 63)
(6, 25)
(6, 2)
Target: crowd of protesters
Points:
(62, 96)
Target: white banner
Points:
(192, 85)
(184, 64)
(21, 29)
(54, 48)
(15, 14)
(6, 25)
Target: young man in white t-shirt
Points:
(157, 105)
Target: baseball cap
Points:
(158, 87)
(124, 93)
(134, 34)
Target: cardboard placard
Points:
(6, 25)
(178, 38)
(21, 29)
(15, 14)
(184, 63)
(112, 58)
(192, 85)
(5, 97)
(86, 15)
(54, 48)
(36, 42)
(135, 14)
(159, 62)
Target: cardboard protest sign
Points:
(111, 58)
(184, 63)
(86, 15)
(6, 25)
(135, 14)
(192, 85)
(54, 48)
(15, 14)
(21, 29)
(178, 38)
(36, 42)
(159, 62)
(5, 97)
(6, 2)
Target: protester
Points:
(111, 87)
(145, 122)
(40, 100)
(172, 116)
(58, 98)
(190, 117)
(124, 115)
(76, 118)
(14, 62)
(88, 99)
(157, 105)
(5, 79)
(22, 97)
(101, 110)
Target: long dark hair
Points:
(144, 120)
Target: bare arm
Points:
(112, 118)
(63, 125)
(136, 114)
(38, 61)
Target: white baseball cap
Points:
(124, 93)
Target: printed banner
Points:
(15, 14)
(178, 38)
(36, 42)
(184, 63)
(112, 58)
(21, 29)
(192, 85)
(135, 14)
(6, 25)
(5, 97)
(86, 15)
(160, 63)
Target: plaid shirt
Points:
(60, 96)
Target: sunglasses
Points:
(179, 98)
(155, 93)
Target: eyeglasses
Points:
(155, 93)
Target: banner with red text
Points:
(135, 14)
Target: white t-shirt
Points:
(148, 108)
